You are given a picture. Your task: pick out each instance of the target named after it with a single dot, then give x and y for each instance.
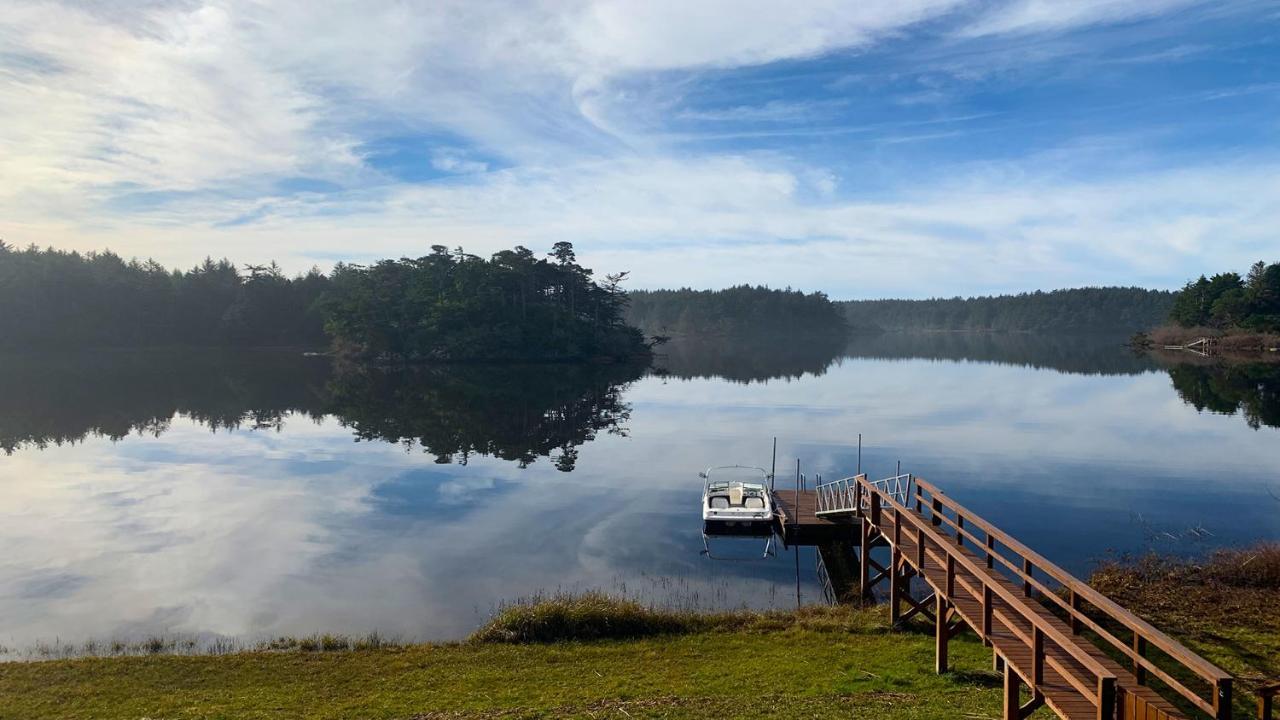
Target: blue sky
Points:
(905, 148)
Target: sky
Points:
(877, 148)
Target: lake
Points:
(253, 494)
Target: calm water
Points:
(267, 493)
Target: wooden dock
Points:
(1074, 650)
(799, 524)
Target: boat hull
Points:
(747, 528)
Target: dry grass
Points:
(1225, 606)
(1228, 341)
(598, 616)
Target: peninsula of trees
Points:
(1093, 310)
(454, 306)
(735, 311)
(1227, 301)
(445, 306)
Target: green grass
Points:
(820, 662)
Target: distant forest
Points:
(447, 305)
(55, 299)
(1098, 310)
(1227, 301)
(732, 311)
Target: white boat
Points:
(736, 500)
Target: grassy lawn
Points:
(847, 665)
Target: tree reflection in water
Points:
(518, 413)
(1251, 389)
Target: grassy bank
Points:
(1225, 606)
(595, 657)
(818, 662)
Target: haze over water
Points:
(267, 494)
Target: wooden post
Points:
(1026, 582)
(997, 662)
(895, 587)
(1076, 625)
(1139, 649)
(875, 509)
(864, 555)
(1012, 706)
(987, 598)
(1106, 698)
(991, 550)
(959, 529)
(1222, 700)
(936, 518)
(942, 633)
(951, 577)
(920, 550)
(1264, 707)
(1037, 657)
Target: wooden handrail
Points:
(1208, 672)
(925, 529)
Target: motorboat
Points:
(736, 501)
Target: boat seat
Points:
(755, 503)
(719, 502)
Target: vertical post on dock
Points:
(773, 467)
(859, 454)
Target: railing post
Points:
(951, 576)
(1222, 700)
(1265, 700)
(920, 550)
(1027, 567)
(1140, 650)
(1076, 625)
(875, 509)
(1106, 698)
(919, 499)
(991, 551)
(1037, 657)
(936, 513)
(987, 610)
(959, 529)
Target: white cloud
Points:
(1026, 16)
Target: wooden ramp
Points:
(1076, 651)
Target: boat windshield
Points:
(748, 478)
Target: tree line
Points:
(447, 305)
(735, 310)
(52, 298)
(1093, 309)
(1227, 301)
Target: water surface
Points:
(258, 494)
